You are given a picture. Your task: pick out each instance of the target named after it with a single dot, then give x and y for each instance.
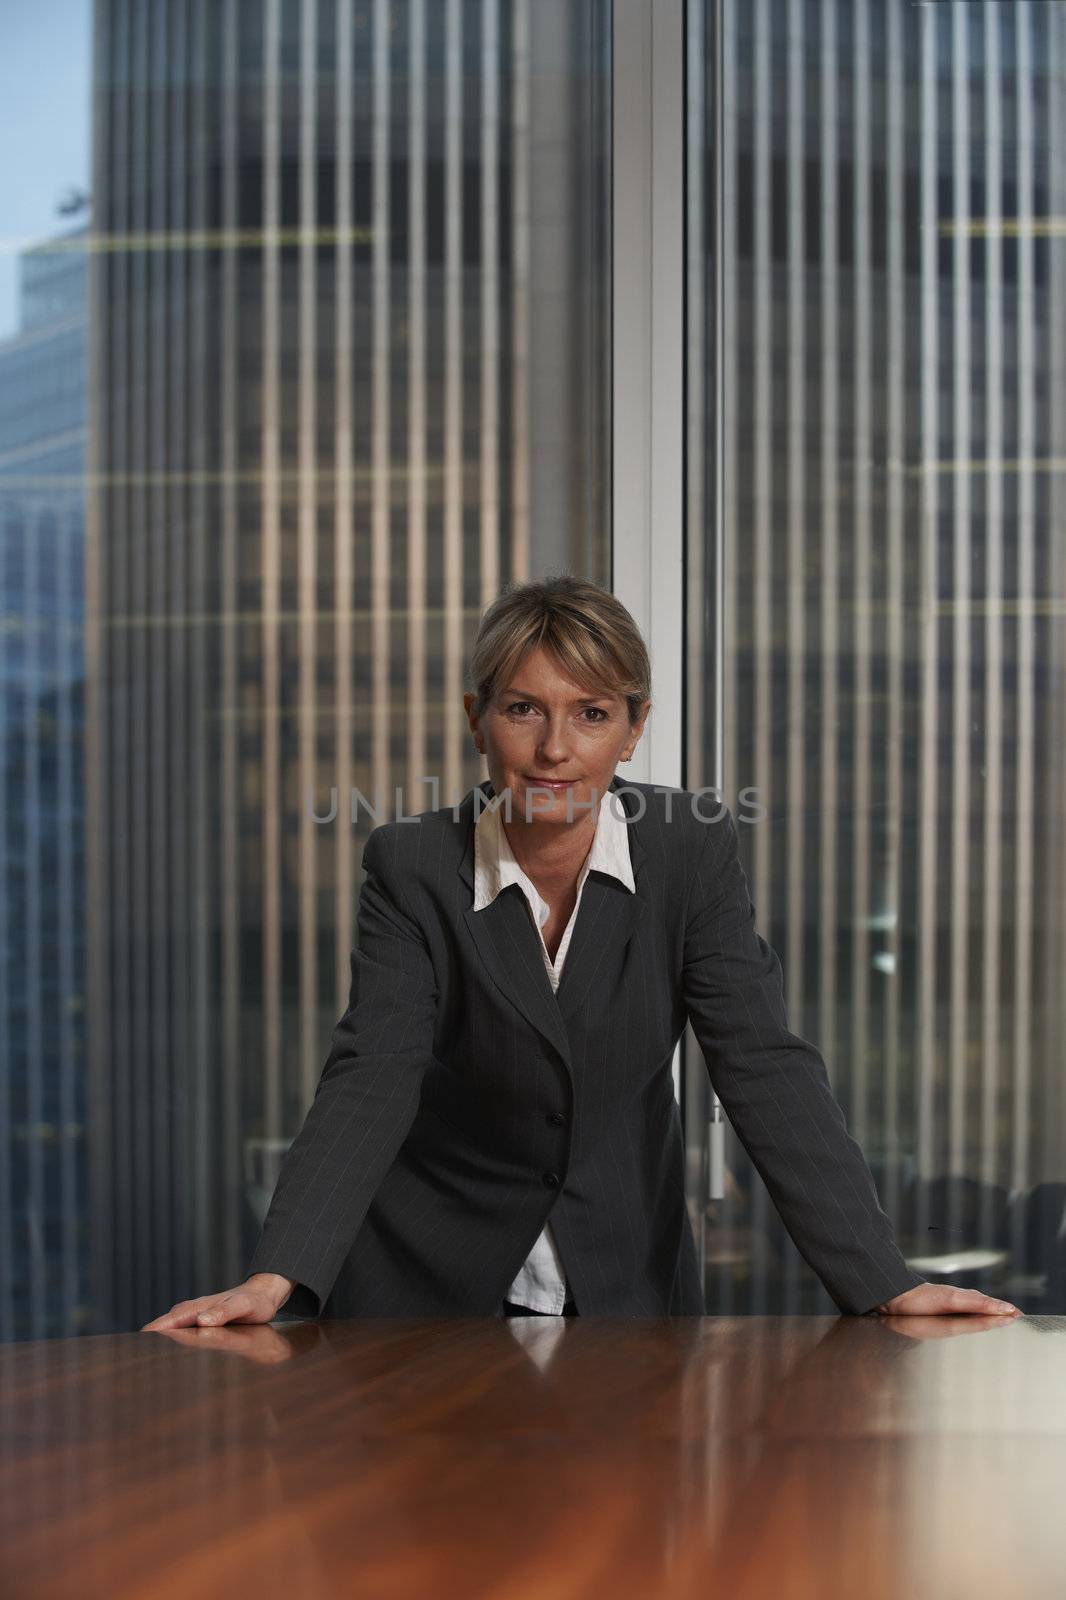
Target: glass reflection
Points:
(888, 199)
(327, 364)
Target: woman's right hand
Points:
(258, 1299)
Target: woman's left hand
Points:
(945, 1300)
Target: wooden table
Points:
(756, 1458)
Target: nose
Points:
(553, 747)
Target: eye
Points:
(598, 713)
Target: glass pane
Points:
(888, 390)
(319, 367)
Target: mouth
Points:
(551, 783)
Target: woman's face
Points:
(542, 725)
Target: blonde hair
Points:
(588, 630)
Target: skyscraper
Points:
(44, 1289)
(350, 373)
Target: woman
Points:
(495, 1130)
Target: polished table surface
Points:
(540, 1459)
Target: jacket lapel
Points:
(510, 947)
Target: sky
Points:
(45, 74)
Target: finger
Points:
(230, 1308)
(217, 1311)
(179, 1316)
(984, 1304)
(186, 1313)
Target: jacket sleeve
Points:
(775, 1088)
(366, 1098)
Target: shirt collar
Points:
(495, 865)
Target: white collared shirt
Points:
(541, 1281)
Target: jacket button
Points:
(556, 1118)
(552, 1180)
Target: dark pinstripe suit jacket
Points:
(464, 1102)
